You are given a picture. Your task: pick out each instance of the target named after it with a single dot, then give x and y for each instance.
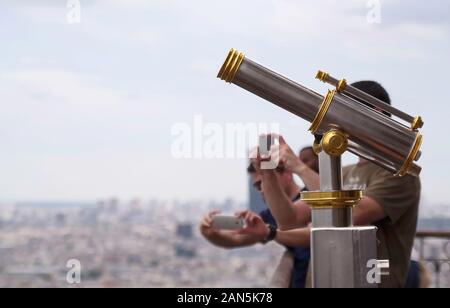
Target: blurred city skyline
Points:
(88, 108)
(147, 244)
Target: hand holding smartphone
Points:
(227, 222)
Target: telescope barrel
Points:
(392, 145)
(375, 136)
(270, 86)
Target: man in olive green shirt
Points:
(399, 199)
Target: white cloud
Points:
(332, 24)
(72, 89)
(86, 98)
(423, 32)
(341, 27)
(42, 13)
(96, 21)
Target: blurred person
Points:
(294, 264)
(418, 277)
(309, 158)
(390, 203)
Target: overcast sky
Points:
(87, 109)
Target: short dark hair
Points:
(251, 169)
(375, 89)
(309, 148)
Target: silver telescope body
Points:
(371, 134)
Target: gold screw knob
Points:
(317, 148)
(322, 76)
(335, 143)
(417, 123)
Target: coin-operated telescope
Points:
(340, 252)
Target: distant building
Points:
(256, 202)
(184, 247)
(434, 224)
(60, 220)
(185, 251)
(184, 231)
(227, 205)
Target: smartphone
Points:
(227, 222)
(265, 143)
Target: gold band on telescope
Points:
(322, 76)
(417, 123)
(231, 65)
(412, 155)
(332, 199)
(341, 85)
(323, 109)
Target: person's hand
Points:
(205, 226)
(264, 160)
(289, 160)
(255, 159)
(254, 225)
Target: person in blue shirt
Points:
(232, 239)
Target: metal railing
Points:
(434, 253)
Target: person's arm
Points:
(229, 239)
(282, 208)
(294, 164)
(387, 196)
(367, 212)
(291, 238)
(224, 238)
(289, 215)
(294, 238)
(309, 177)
